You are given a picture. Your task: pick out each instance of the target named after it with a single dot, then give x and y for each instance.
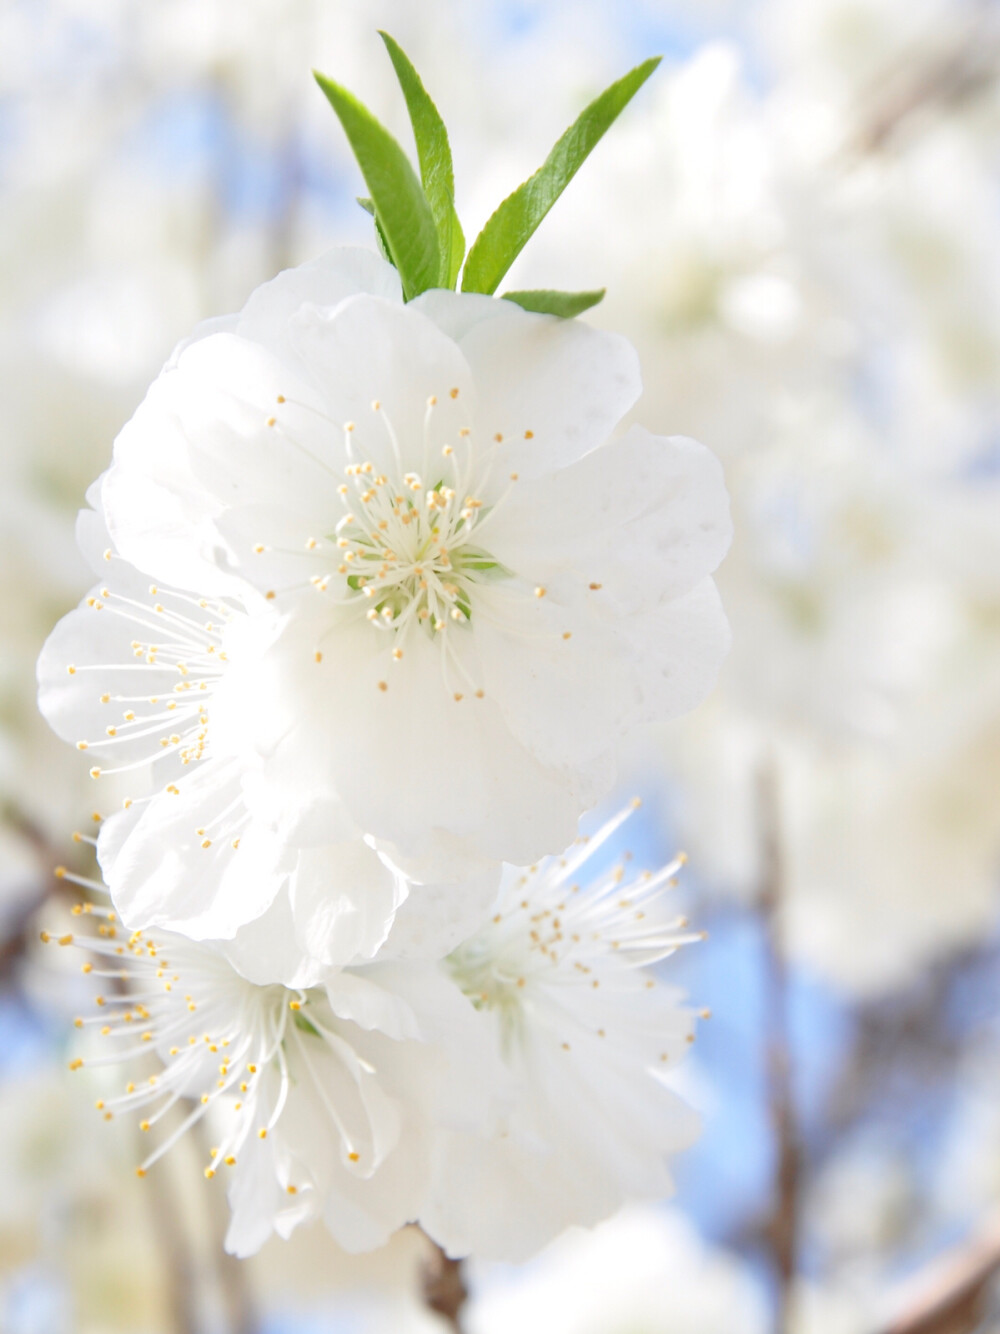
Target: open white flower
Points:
(480, 592)
(589, 1032)
(321, 1101)
(156, 684)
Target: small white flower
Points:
(588, 1032)
(481, 592)
(320, 1100)
(157, 685)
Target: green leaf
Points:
(505, 234)
(564, 304)
(383, 246)
(434, 155)
(401, 207)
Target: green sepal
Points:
(401, 207)
(563, 304)
(383, 246)
(507, 231)
(301, 1022)
(434, 155)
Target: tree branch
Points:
(949, 1297)
(783, 1224)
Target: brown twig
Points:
(783, 1224)
(950, 1296)
(443, 1287)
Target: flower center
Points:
(409, 550)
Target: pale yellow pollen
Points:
(529, 435)
(71, 669)
(453, 393)
(594, 587)
(317, 656)
(271, 421)
(540, 592)
(354, 1157)
(383, 685)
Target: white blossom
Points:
(590, 1035)
(321, 1100)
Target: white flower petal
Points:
(161, 874)
(369, 352)
(565, 383)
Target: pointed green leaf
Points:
(564, 304)
(401, 207)
(434, 155)
(505, 234)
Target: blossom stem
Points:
(784, 1221)
(443, 1286)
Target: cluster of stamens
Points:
(404, 548)
(182, 658)
(186, 1006)
(549, 930)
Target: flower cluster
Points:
(380, 591)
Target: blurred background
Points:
(798, 223)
